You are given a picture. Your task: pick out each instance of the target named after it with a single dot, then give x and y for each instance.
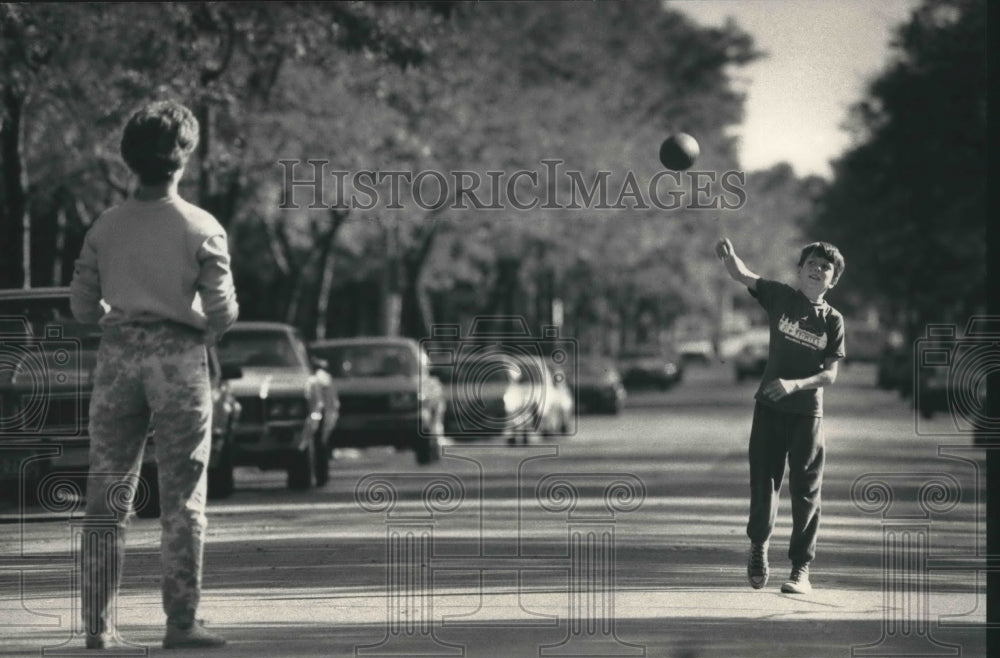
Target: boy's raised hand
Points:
(724, 249)
(734, 264)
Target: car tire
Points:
(301, 468)
(221, 481)
(427, 449)
(322, 461)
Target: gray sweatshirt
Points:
(155, 260)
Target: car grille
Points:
(363, 403)
(594, 395)
(252, 409)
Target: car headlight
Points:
(670, 369)
(293, 409)
(402, 400)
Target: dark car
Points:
(598, 385)
(47, 361)
(387, 394)
(894, 368)
(864, 343)
(651, 367)
(289, 404)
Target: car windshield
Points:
(264, 349)
(368, 360)
(642, 354)
(490, 369)
(592, 368)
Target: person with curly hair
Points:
(154, 272)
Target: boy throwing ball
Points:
(806, 344)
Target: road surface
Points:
(625, 539)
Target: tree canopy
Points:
(398, 86)
(908, 202)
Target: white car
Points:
(559, 408)
(751, 359)
(507, 395)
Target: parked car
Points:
(894, 369)
(289, 402)
(598, 385)
(650, 367)
(514, 396)
(387, 394)
(933, 390)
(694, 349)
(751, 359)
(864, 343)
(47, 361)
(944, 386)
(558, 404)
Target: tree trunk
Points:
(73, 232)
(47, 220)
(15, 229)
(206, 186)
(418, 313)
(501, 300)
(327, 264)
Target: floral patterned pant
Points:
(155, 376)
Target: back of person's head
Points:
(158, 140)
(827, 251)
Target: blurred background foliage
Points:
(449, 86)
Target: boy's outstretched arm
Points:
(734, 264)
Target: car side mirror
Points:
(230, 371)
(319, 363)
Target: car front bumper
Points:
(365, 430)
(253, 444)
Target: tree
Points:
(908, 202)
(593, 86)
(78, 71)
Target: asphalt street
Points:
(624, 539)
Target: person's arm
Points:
(737, 269)
(216, 287)
(779, 388)
(85, 288)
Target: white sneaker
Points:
(798, 582)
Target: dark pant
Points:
(775, 436)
